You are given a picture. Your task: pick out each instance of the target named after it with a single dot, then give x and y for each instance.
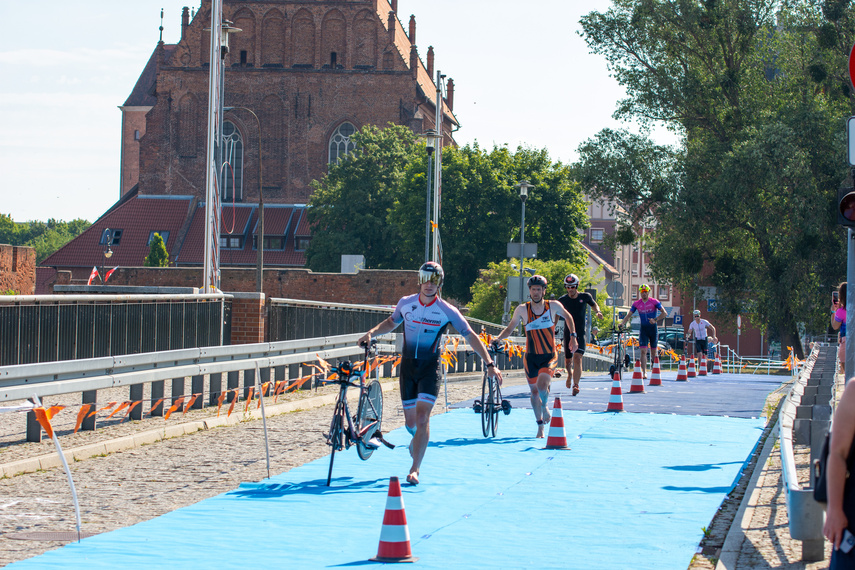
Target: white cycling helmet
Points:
(572, 280)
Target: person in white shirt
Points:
(701, 330)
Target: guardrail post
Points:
(34, 429)
(177, 389)
(265, 377)
(135, 394)
(197, 386)
(293, 373)
(248, 381)
(215, 387)
(157, 398)
(232, 382)
(307, 370)
(89, 397)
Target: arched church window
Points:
(233, 171)
(341, 142)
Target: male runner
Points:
(649, 311)
(575, 303)
(539, 317)
(698, 330)
(425, 317)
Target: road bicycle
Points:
(621, 358)
(491, 402)
(363, 429)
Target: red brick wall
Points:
(248, 318)
(17, 269)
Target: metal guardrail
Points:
(799, 422)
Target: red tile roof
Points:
(277, 221)
(303, 229)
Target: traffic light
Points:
(846, 207)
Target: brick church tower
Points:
(312, 71)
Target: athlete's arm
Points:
(711, 328)
(662, 313)
(570, 326)
(478, 346)
(383, 327)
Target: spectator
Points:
(840, 512)
(838, 323)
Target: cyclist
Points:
(649, 312)
(699, 329)
(575, 303)
(425, 316)
(539, 317)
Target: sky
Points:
(521, 77)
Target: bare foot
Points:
(540, 430)
(545, 415)
(413, 478)
(569, 382)
(575, 389)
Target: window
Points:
(271, 243)
(136, 134)
(664, 292)
(233, 155)
(164, 235)
(111, 236)
(340, 143)
(596, 235)
(231, 242)
(301, 243)
(635, 293)
(635, 272)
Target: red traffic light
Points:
(846, 207)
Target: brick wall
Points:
(248, 318)
(17, 269)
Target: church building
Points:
(301, 77)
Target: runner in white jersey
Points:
(425, 317)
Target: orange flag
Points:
(156, 404)
(130, 408)
(324, 364)
(190, 403)
(173, 407)
(84, 409)
(220, 402)
(249, 398)
(119, 409)
(44, 415)
(232, 406)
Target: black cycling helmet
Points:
(432, 272)
(572, 280)
(537, 280)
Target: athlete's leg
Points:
(644, 361)
(577, 368)
(543, 381)
(421, 418)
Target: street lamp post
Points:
(431, 138)
(523, 186)
(108, 253)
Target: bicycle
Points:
(363, 429)
(491, 402)
(621, 358)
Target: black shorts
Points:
(648, 336)
(419, 381)
(580, 338)
(537, 363)
(700, 345)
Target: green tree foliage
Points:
(157, 254)
(44, 237)
(490, 289)
(373, 203)
(752, 191)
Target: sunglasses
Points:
(571, 286)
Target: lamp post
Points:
(431, 138)
(259, 264)
(108, 253)
(523, 186)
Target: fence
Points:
(49, 328)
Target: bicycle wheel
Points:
(486, 407)
(335, 436)
(495, 404)
(369, 416)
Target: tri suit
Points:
(540, 354)
(424, 325)
(648, 334)
(576, 308)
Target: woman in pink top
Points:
(838, 323)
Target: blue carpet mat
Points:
(634, 491)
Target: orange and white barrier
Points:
(690, 368)
(655, 373)
(394, 535)
(702, 368)
(716, 369)
(616, 395)
(637, 385)
(682, 375)
(557, 438)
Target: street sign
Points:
(678, 319)
(712, 305)
(850, 138)
(529, 250)
(739, 321)
(614, 289)
(852, 66)
(515, 286)
(614, 302)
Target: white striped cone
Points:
(690, 369)
(637, 385)
(394, 535)
(655, 373)
(716, 369)
(616, 395)
(702, 368)
(556, 439)
(681, 371)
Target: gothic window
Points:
(341, 142)
(233, 171)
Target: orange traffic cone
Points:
(655, 373)
(702, 369)
(716, 369)
(690, 369)
(681, 370)
(394, 535)
(637, 385)
(616, 396)
(556, 438)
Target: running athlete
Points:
(575, 303)
(539, 317)
(649, 311)
(698, 330)
(425, 317)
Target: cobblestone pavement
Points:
(127, 487)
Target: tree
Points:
(760, 104)
(157, 254)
